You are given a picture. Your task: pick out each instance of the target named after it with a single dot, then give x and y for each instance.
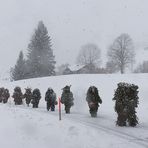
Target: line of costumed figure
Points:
(125, 97)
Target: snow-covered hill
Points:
(39, 128)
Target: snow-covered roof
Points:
(75, 67)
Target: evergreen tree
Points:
(19, 70)
(40, 55)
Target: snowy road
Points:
(36, 127)
(23, 127)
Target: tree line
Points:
(40, 60)
(120, 56)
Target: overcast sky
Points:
(71, 23)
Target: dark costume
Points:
(93, 100)
(67, 98)
(28, 96)
(36, 96)
(1, 94)
(5, 95)
(18, 96)
(50, 98)
(126, 102)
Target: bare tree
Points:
(121, 52)
(89, 54)
(111, 67)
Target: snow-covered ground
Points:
(26, 127)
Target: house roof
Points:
(75, 67)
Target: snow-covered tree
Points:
(121, 52)
(89, 54)
(19, 70)
(41, 61)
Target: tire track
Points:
(111, 131)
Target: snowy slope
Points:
(38, 128)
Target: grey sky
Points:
(71, 23)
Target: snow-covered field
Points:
(23, 127)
